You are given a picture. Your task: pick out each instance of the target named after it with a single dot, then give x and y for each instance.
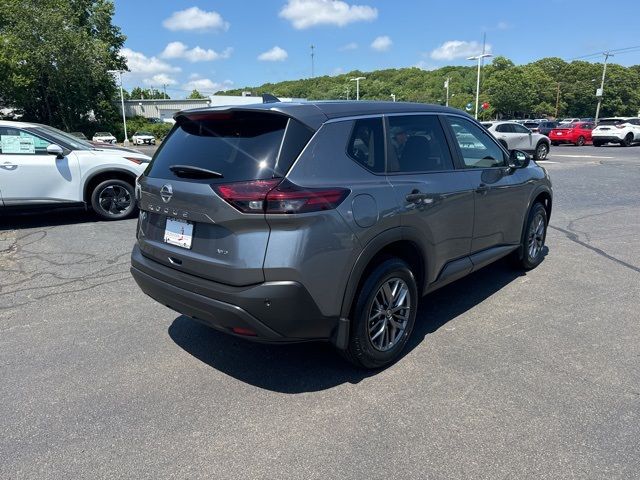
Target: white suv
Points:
(622, 130)
(41, 165)
(514, 136)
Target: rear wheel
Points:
(580, 141)
(628, 140)
(597, 143)
(541, 151)
(531, 251)
(384, 315)
(113, 199)
(555, 144)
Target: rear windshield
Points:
(239, 145)
(611, 121)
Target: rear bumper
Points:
(607, 138)
(278, 312)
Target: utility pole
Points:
(479, 58)
(164, 86)
(357, 80)
(446, 86)
(558, 100)
(393, 96)
(124, 118)
(347, 92)
(312, 61)
(600, 91)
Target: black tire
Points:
(542, 150)
(362, 350)
(597, 143)
(580, 142)
(555, 144)
(525, 257)
(628, 140)
(113, 199)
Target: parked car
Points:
(532, 125)
(104, 137)
(569, 120)
(622, 130)
(289, 222)
(79, 135)
(43, 166)
(578, 133)
(545, 127)
(143, 138)
(514, 136)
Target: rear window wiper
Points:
(187, 171)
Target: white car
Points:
(622, 130)
(43, 166)
(104, 137)
(568, 120)
(514, 136)
(143, 138)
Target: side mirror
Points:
(518, 159)
(56, 150)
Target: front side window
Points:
(366, 144)
(477, 148)
(14, 141)
(417, 144)
(520, 129)
(505, 128)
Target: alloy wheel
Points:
(536, 236)
(114, 199)
(389, 314)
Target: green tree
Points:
(195, 94)
(147, 94)
(55, 58)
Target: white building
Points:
(166, 109)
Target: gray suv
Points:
(292, 222)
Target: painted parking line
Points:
(545, 161)
(579, 156)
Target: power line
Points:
(599, 54)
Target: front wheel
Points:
(541, 151)
(384, 315)
(113, 199)
(531, 251)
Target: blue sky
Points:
(213, 45)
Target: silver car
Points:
(292, 222)
(514, 136)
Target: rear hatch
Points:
(607, 124)
(185, 223)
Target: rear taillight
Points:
(620, 125)
(277, 196)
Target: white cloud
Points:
(159, 80)
(503, 26)
(206, 85)
(276, 54)
(140, 64)
(381, 44)
(197, 54)
(454, 49)
(349, 46)
(308, 13)
(197, 20)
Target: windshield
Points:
(145, 133)
(63, 137)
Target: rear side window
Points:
(366, 144)
(239, 145)
(505, 128)
(417, 144)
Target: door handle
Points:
(482, 189)
(8, 166)
(416, 197)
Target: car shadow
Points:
(17, 220)
(311, 367)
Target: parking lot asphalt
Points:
(509, 374)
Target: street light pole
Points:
(601, 90)
(393, 96)
(479, 59)
(357, 80)
(446, 85)
(124, 118)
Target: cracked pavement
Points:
(508, 375)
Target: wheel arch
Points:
(98, 177)
(400, 242)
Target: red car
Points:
(577, 133)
